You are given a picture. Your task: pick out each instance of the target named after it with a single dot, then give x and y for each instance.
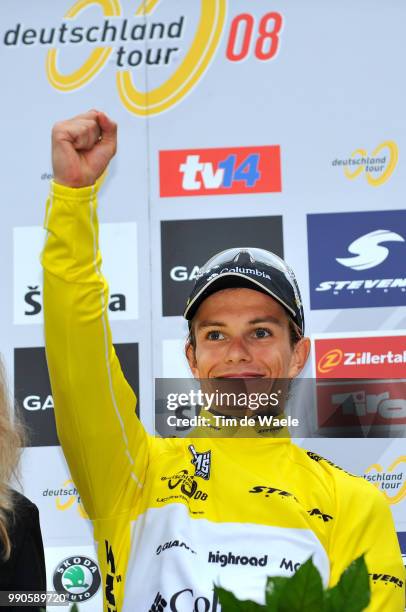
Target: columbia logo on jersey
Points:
(186, 599)
(159, 604)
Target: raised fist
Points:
(82, 148)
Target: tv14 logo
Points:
(220, 171)
(369, 356)
(118, 245)
(357, 259)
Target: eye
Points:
(215, 335)
(262, 332)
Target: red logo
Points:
(329, 361)
(352, 405)
(372, 357)
(220, 171)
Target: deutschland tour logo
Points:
(129, 43)
(77, 577)
(377, 166)
(121, 42)
(391, 480)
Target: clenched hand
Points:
(82, 148)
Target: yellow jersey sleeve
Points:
(105, 444)
(365, 526)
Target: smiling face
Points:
(243, 333)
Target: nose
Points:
(237, 351)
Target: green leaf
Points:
(304, 592)
(229, 603)
(352, 593)
(274, 592)
(74, 608)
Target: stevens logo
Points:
(356, 260)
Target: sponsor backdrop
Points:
(259, 124)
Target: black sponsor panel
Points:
(127, 354)
(187, 245)
(32, 392)
(32, 389)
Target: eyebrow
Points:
(269, 319)
(208, 323)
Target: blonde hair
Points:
(12, 438)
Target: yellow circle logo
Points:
(96, 59)
(71, 500)
(377, 169)
(184, 78)
(389, 480)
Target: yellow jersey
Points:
(174, 516)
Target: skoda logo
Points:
(77, 577)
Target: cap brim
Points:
(230, 280)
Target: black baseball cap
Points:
(251, 268)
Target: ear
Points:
(191, 358)
(299, 357)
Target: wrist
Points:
(67, 191)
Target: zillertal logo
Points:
(378, 167)
(184, 78)
(392, 481)
(330, 360)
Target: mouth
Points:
(241, 375)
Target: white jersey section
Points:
(180, 558)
